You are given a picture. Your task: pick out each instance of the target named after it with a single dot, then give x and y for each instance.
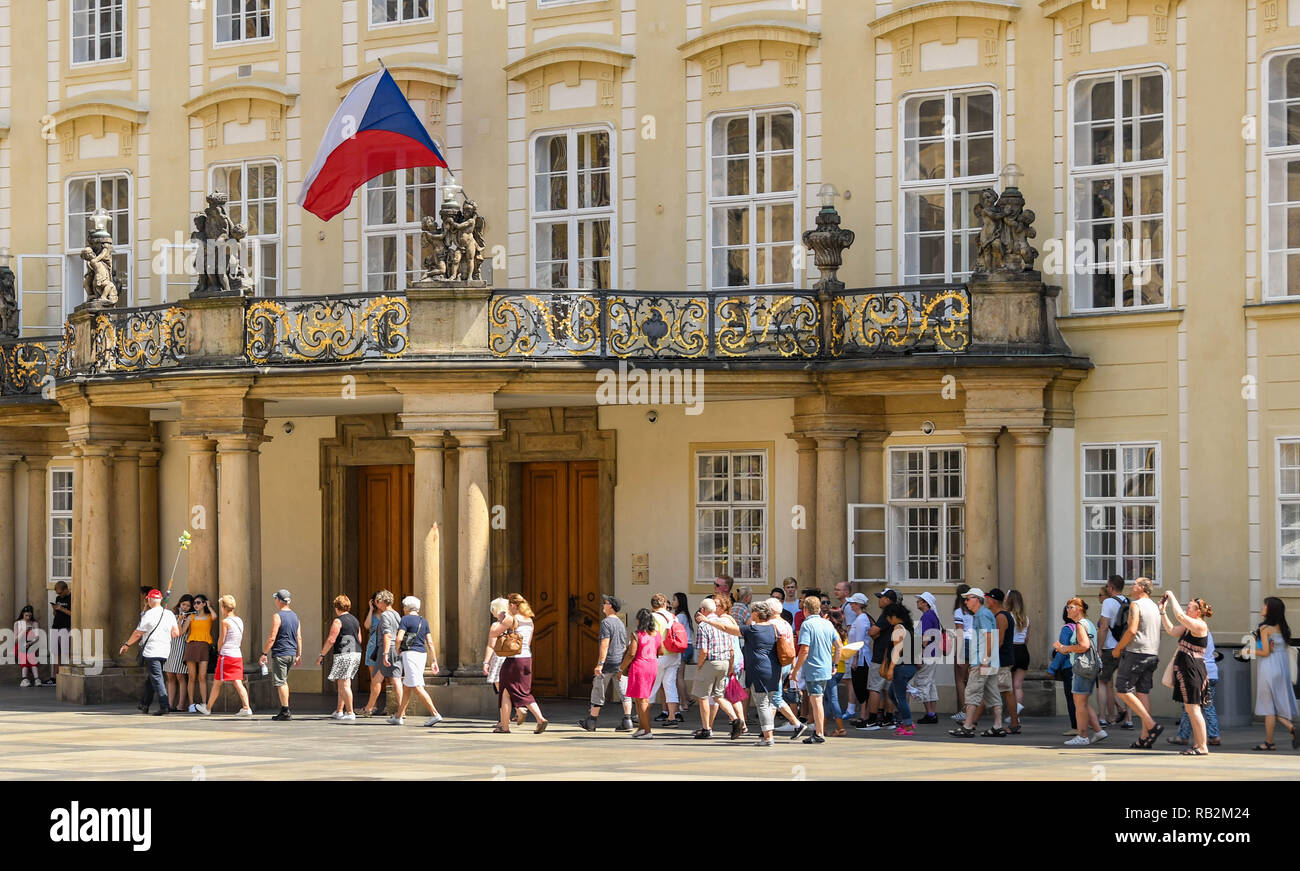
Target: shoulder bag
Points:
(508, 643)
(785, 648)
(1087, 664)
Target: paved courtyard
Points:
(40, 739)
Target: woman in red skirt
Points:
(516, 681)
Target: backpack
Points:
(675, 640)
(1087, 664)
(1120, 626)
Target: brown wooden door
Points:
(561, 573)
(384, 520)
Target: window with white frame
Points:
(60, 511)
(253, 191)
(394, 205)
(1118, 184)
(399, 11)
(1282, 177)
(1288, 511)
(753, 214)
(950, 154)
(573, 210)
(1121, 511)
(86, 195)
(927, 514)
(242, 20)
(731, 515)
(97, 30)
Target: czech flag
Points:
(375, 131)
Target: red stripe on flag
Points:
(357, 160)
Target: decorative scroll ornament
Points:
(326, 329)
(140, 340)
(865, 324)
(101, 283)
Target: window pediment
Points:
(241, 101)
(97, 114)
(418, 77)
(946, 34)
(547, 55)
(886, 26)
(565, 66)
(1152, 15)
(751, 43)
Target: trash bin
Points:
(1234, 698)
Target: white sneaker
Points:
(643, 735)
(337, 715)
(1020, 709)
(245, 712)
(1078, 741)
(201, 709)
(959, 717)
(26, 683)
(434, 720)
(787, 726)
(396, 720)
(1098, 736)
(348, 717)
(193, 709)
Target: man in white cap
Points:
(982, 685)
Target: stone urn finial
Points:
(828, 241)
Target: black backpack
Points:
(1120, 626)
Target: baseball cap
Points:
(887, 593)
(997, 594)
(282, 595)
(614, 602)
(154, 594)
(856, 598)
(974, 591)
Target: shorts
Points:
(230, 667)
(875, 683)
(1082, 686)
(413, 662)
(393, 670)
(197, 651)
(711, 679)
(1108, 664)
(280, 666)
(983, 689)
(606, 689)
(1020, 657)
(815, 687)
(345, 666)
(1004, 679)
(1135, 672)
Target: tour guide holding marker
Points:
(284, 645)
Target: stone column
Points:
(982, 507)
(237, 516)
(256, 611)
(473, 547)
(7, 528)
(78, 540)
(806, 538)
(96, 610)
(1031, 533)
(450, 538)
(203, 525)
(428, 534)
(832, 508)
(38, 536)
(125, 578)
(148, 514)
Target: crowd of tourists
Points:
(819, 664)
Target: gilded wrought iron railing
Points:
(140, 339)
(318, 329)
(29, 367)
(789, 325)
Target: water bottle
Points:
(265, 670)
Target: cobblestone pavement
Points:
(41, 739)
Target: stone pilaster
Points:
(148, 513)
(96, 611)
(806, 538)
(125, 578)
(7, 528)
(474, 558)
(202, 516)
(429, 534)
(832, 508)
(981, 507)
(238, 516)
(38, 535)
(1031, 532)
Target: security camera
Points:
(927, 427)
(288, 427)
(652, 415)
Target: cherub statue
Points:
(992, 250)
(100, 282)
(218, 257)
(8, 305)
(469, 242)
(1016, 232)
(435, 265)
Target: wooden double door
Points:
(385, 511)
(561, 573)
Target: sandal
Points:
(838, 733)
(962, 732)
(498, 730)
(541, 727)
(1145, 743)
(1178, 741)
(1014, 730)
(994, 732)
(1156, 732)
(1265, 746)
(1194, 751)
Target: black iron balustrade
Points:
(29, 367)
(718, 325)
(139, 339)
(319, 329)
